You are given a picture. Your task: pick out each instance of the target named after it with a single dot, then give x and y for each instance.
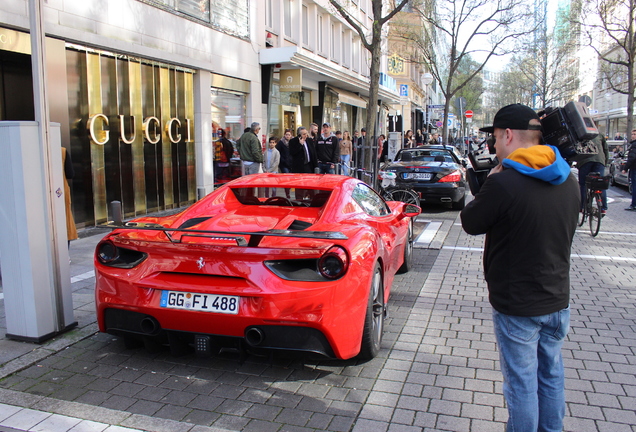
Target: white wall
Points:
(136, 28)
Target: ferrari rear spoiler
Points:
(240, 237)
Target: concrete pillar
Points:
(204, 151)
(35, 269)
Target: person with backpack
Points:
(223, 152)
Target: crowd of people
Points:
(308, 151)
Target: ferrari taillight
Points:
(453, 177)
(334, 263)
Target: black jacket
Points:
(285, 160)
(297, 155)
(328, 149)
(631, 157)
(529, 226)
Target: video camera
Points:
(570, 129)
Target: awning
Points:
(349, 98)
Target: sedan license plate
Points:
(418, 176)
(200, 302)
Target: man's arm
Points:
(483, 211)
(257, 149)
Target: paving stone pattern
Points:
(438, 369)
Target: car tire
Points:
(459, 205)
(408, 251)
(374, 318)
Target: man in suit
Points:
(303, 157)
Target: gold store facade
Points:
(128, 123)
(131, 134)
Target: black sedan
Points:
(616, 173)
(436, 172)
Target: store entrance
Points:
(289, 121)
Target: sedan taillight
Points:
(453, 177)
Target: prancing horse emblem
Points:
(200, 263)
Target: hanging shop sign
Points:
(291, 80)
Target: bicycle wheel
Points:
(595, 213)
(404, 195)
(582, 215)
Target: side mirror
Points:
(410, 210)
(464, 163)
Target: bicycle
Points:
(389, 190)
(592, 210)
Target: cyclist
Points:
(593, 163)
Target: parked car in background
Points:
(616, 171)
(436, 172)
(248, 268)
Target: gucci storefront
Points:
(128, 123)
(131, 134)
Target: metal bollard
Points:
(115, 211)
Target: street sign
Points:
(468, 114)
(438, 124)
(404, 101)
(435, 106)
(404, 90)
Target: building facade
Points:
(142, 87)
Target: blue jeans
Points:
(344, 159)
(584, 170)
(325, 168)
(532, 368)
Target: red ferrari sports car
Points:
(247, 266)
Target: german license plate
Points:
(418, 176)
(200, 302)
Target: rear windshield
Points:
(282, 197)
(426, 156)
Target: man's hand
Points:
(499, 168)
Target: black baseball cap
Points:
(515, 116)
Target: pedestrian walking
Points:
(528, 208)
(630, 165)
(251, 150)
(271, 160)
(327, 150)
(346, 148)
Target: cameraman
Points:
(588, 163)
(528, 208)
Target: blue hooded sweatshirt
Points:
(543, 162)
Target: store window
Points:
(288, 17)
(305, 25)
(228, 113)
(230, 16)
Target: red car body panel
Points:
(204, 264)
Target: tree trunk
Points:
(372, 107)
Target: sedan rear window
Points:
(426, 156)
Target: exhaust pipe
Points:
(254, 336)
(446, 200)
(149, 325)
